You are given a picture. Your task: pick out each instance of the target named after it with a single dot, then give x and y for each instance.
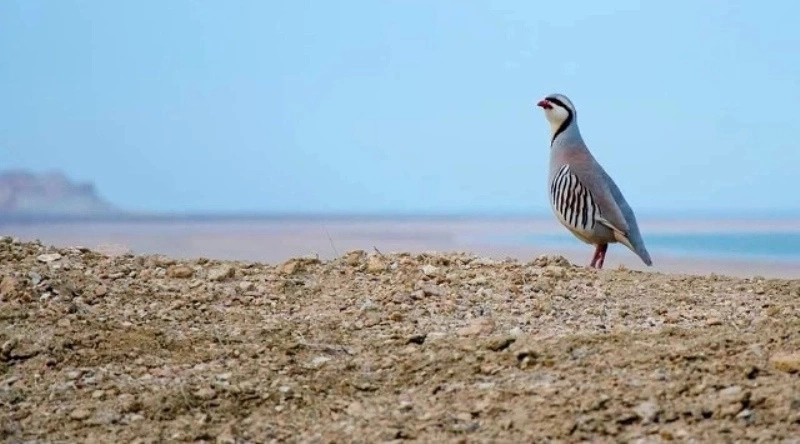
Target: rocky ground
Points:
(375, 347)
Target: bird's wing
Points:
(593, 177)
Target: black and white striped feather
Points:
(573, 202)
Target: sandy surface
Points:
(279, 240)
(376, 347)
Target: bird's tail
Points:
(634, 241)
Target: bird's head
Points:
(558, 110)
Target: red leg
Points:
(599, 256)
(602, 248)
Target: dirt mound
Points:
(372, 347)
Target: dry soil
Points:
(374, 347)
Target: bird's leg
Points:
(594, 258)
(599, 256)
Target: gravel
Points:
(375, 347)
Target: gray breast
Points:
(572, 201)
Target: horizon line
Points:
(222, 216)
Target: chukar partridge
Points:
(583, 196)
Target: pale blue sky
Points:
(401, 105)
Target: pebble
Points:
(35, 277)
(353, 258)
(319, 361)
(647, 411)
(180, 272)
(429, 270)
(80, 414)
(786, 362)
(291, 266)
(205, 394)
(220, 273)
(499, 343)
(8, 284)
(516, 331)
(375, 264)
(48, 258)
(431, 290)
(480, 326)
(245, 286)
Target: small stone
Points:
(500, 343)
(8, 347)
(291, 266)
(8, 285)
(647, 411)
(353, 258)
(104, 417)
(245, 286)
(63, 323)
(479, 280)
(97, 394)
(227, 436)
(480, 326)
(180, 272)
(786, 362)
(206, 394)
(713, 321)
(220, 273)
(319, 361)
(746, 415)
(516, 331)
(660, 374)
(375, 264)
(429, 270)
(731, 400)
(396, 316)
(431, 290)
(48, 258)
(80, 414)
(35, 277)
(418, 339)
(732, 393)
(100, 291)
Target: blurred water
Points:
(779, 246)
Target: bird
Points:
(582, 195)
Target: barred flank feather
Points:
(573, 201)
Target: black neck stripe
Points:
(566, 123)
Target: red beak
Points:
(544, 104)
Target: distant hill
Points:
(24, 194)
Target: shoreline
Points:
(279, 240)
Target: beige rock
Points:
(8, 285)
(376, 264)
(786, 361)
(80, 414)
(480, 326)
(221, 273)
(180, 272)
